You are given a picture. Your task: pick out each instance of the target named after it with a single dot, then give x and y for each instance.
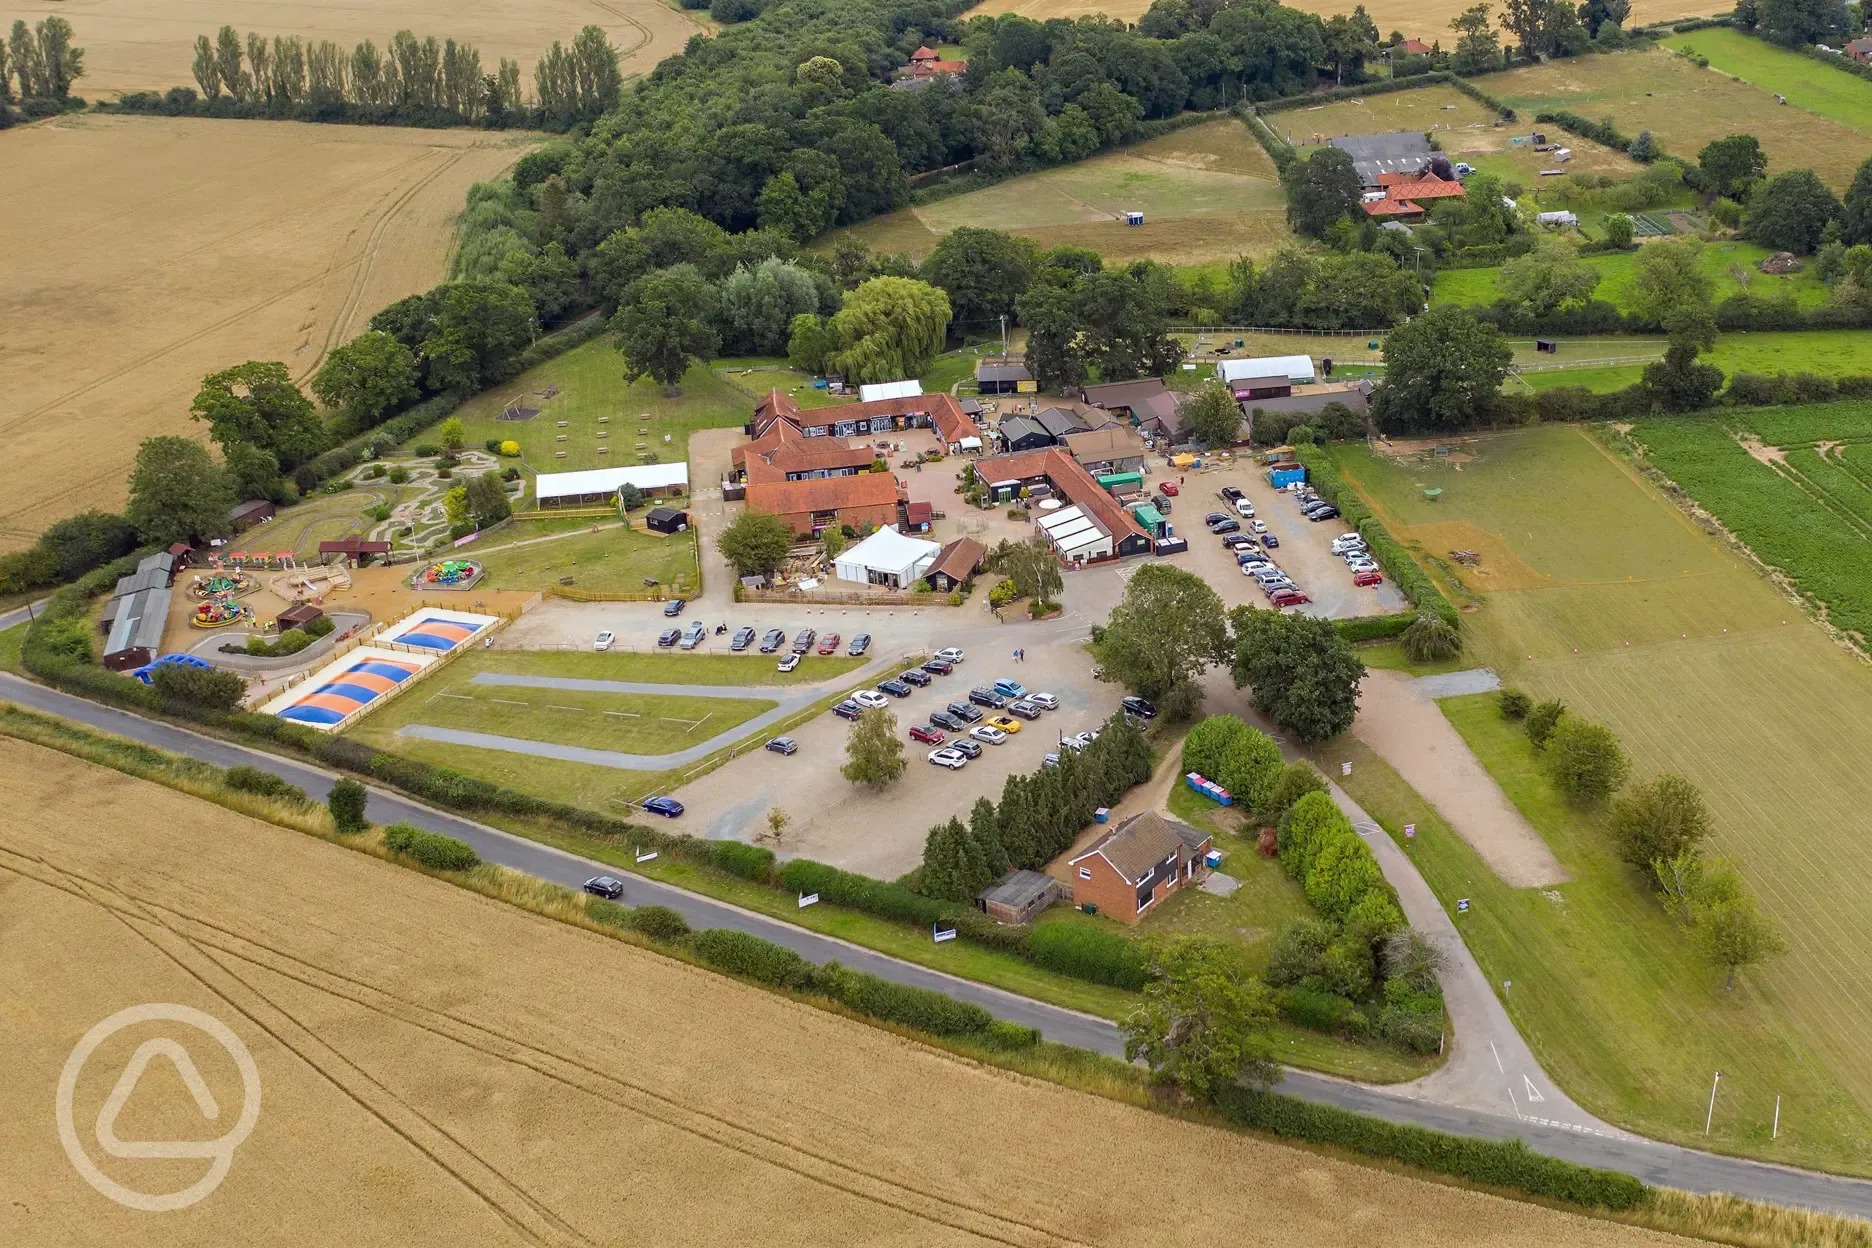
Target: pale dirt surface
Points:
(1410, 732)
(439, 1068)
(1429, 22)
(148, 45)
(145, 253)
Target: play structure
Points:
(305, 584)
(347, 687)
(449, 574)
(147, 672)
(219, 613)
(222, 584)
(436, 630)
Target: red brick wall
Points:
(876, 516)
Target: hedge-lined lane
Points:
(1663, 1164)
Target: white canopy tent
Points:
(887, 558)
(889, 390)
(558, 489)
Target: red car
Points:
(829, 644)
(1170, 489)
(1368, 578)
(927, 735)
(1288, 598)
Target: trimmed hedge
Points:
(741, 954)
(1373, 627)
(1088, 952)
(245, 779)
(1413, 581)
(750, 862)
(922, 1008)
(1507, 1164)
(861, 892)
(659, 923)
(432, 849)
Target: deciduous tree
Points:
(346, 802)
(1299, 670)
(874, 754)
(1729, 165)
(1659, 818)
(983, 272)
(177, 494)
(477, 336)
(663, 325)
(1204, 1019)
(367, 378)
(889, 329)
(1550, 277)
(1167, 630)
(1212, 415)
(1321, 189)
(1790, 211)
(258, 403)
(1443, 371)
(755, 543)
(1586, 761)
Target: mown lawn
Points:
(605, 557)
(1823, 352)
(658, 667)
(1618, 270)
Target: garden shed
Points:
(666, 520)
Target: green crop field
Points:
(1683, 106)
(1720, 260)
(613, 559)
(1594, 588)
(1207, 192)
(1807, 84)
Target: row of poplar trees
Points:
(42, 59)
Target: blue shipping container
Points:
(1281, 478)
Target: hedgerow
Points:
(1323, 475)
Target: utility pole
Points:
(1004, 335)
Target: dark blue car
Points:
(674, 607)
(668, 807)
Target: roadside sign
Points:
(1410, 830)
(808, 899)
(1462, 905)
(646, 857)
(942, 935)
(1345, 769)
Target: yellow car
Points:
(1006, 723)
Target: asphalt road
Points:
(1664, 1164)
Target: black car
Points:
(1231, 493)
(1139, 707)
(1216, 517)
(669, 636)
(1323, 513)
(848, 710)
(964, 712)
(774, 639)
(943, 719)
(967, 746)
(987, 697)
(1162, 505)
(605, 886)
(915, 676)
(1227, 526)
(1236, 541)
(674, 607)
(896, 688)
(859, 644)
(939, 667)
(743, 638)
(803, 640)
(783, 745)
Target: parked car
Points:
(938, 667)
(1270, 588)
(1050, 760)
(1024, 709)
(949, 654)
(693, 635)
(1374, 577)
(1230, 492)
(964, 746)
(896, 688)
(605, 886)
(1171, 488)
(1323, 513)
(668, 807)
(783, 745)
(604, 640)
(964, 712)
(1006, 723)
(743, 638)
(1361, 566)
(1161, 503)
(943, 719)
(1227, 526)
(987, 697)
(1237, 541)
(848, 709)
(829, 643)
(1244, 509)
(1045, 701)
(1216, 517)
(1289, 598)
(859, 644)
(1078, 741)
(1139, 707)
(772, 640)
(927, 734)
(988, 733)
(1011, 688)
(803, 640)
(669, 637)
(870, 699)
(915, 676)
(674, 607)
(1257, 526)
(1345, 542)
(1269, 540)
(953, 759)
(1252, 558)
(789, 662)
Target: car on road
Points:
(668, 807)
(1045, 701)
(674, 607)
(988, 733)
(953, 759)
(605, 886)
(783, 745)
(1171, 488)
(987, 697)
(1006, 723)
(896, 688)
(848, 709)
(1010, 688)
(743, 638)
(669, 637)
(950, 654)
(938, 667)
(943, 719)
(694, 635)
(870, 699)
(1227, 526)
(915, 676)
(1230, 492)
(803, 640)
(773, 640)
(928, 734)
(1327, 512)
(789, 661)
(1374, 577)
(1139, 707)
(963, 745)
(829, 643)
(1289, 598)
(859, 644)
(964, 712)
(604, 640)
(1024, 709)
(1269, 540)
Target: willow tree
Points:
(890, 328)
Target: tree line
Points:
(38, 65)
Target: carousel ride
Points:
(450, 574)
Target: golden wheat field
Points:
(145, 253)
(1420, 19)
(147, 45)
(436, 1067)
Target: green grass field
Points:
(322, 518)
(1595, 589)
(1825, 352)
(661, 667)
(1616, 272)
(1807, 84)
(614, 559)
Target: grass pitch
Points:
(1808, 84)
(613, 559)
(1730, 265)
(1595, 589)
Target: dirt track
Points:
(438, 1068)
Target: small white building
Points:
(1557, 218)
(889, 390)
(1297, 368)
(887, 558)
(1076, 536)
(600, 485)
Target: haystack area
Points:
(145, 253)
(439, 1068)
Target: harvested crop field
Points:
(1427, 21)
(438, 1067)
(144, 254)
(147, 45)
